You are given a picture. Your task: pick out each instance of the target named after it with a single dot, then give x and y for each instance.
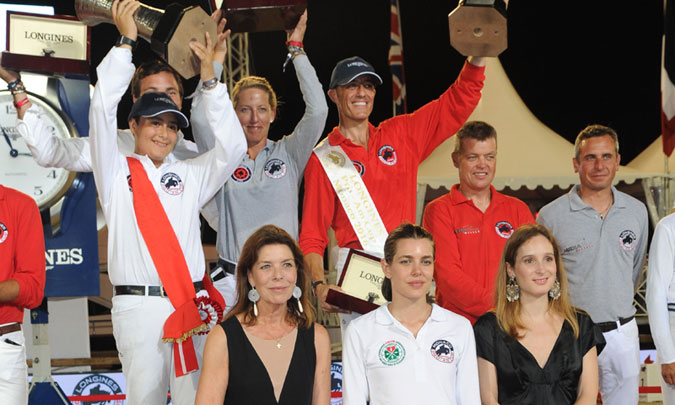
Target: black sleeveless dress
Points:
(520, 379)
(249, 383)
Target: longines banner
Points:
(37, 35)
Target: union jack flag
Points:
(396, 62)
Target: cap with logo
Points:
(152, 104)
(349, 69)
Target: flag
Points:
(396, 62)
(667, 76)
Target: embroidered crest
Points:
(504, 229)
(387, 155)
(360, 168)
(172, 184)
(443, 351)
(628, 240)
(392, 353)
(3, 232)
(241, 174)
(336, 158)
(275, 168)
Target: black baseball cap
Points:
(349, 69)
(152, 104)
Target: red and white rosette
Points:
(209, 310)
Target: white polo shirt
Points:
(385, 364)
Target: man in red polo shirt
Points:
(22, 282)
(471, 224)
(385, 157)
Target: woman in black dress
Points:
(535, 348)
(268, 349)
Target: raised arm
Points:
(308, 131)
(230, 146)
(114, 75)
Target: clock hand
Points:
(12, 152)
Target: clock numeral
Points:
(52, 174)
(38, 190)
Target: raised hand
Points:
(297, 34)
(123, 16)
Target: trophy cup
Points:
(262, 15)
(168, 31)
(478, 27)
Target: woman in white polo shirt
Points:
(409, 350)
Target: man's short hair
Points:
(477, 130)
(593, 131)
(152, 68)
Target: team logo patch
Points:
(172, 184)
(504, 229)
(129, 183)
(3, 232)
(628, 240)
(241, 174)
(392, 353)
(275, 168)
(360, 168)
(443, 351)
(387, 155)
(336, 383)
(98, 384)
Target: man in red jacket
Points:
(22, 282)
(471, 224)
(385, 158)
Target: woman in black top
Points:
(268, 350)
(535, 348)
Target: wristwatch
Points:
(122, 40)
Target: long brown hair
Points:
(508, 313)
(272, 235)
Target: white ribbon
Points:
(354, 197)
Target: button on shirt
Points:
(386, 365)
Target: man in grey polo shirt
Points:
(603, 234)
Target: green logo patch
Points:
(392, 353)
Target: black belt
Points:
(14, 327)
(610, 326)
(150, 290)
(227, 267)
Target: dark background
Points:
(574, 63)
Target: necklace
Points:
(278, 343)
(604, 212)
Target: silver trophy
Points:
(168, 31)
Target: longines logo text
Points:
(47, 36)
(58, 257)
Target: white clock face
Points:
(18, 170)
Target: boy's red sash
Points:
(167, 255)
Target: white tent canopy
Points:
(652, 159)
(530, 153)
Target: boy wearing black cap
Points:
(151, 203)
(383, 183)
